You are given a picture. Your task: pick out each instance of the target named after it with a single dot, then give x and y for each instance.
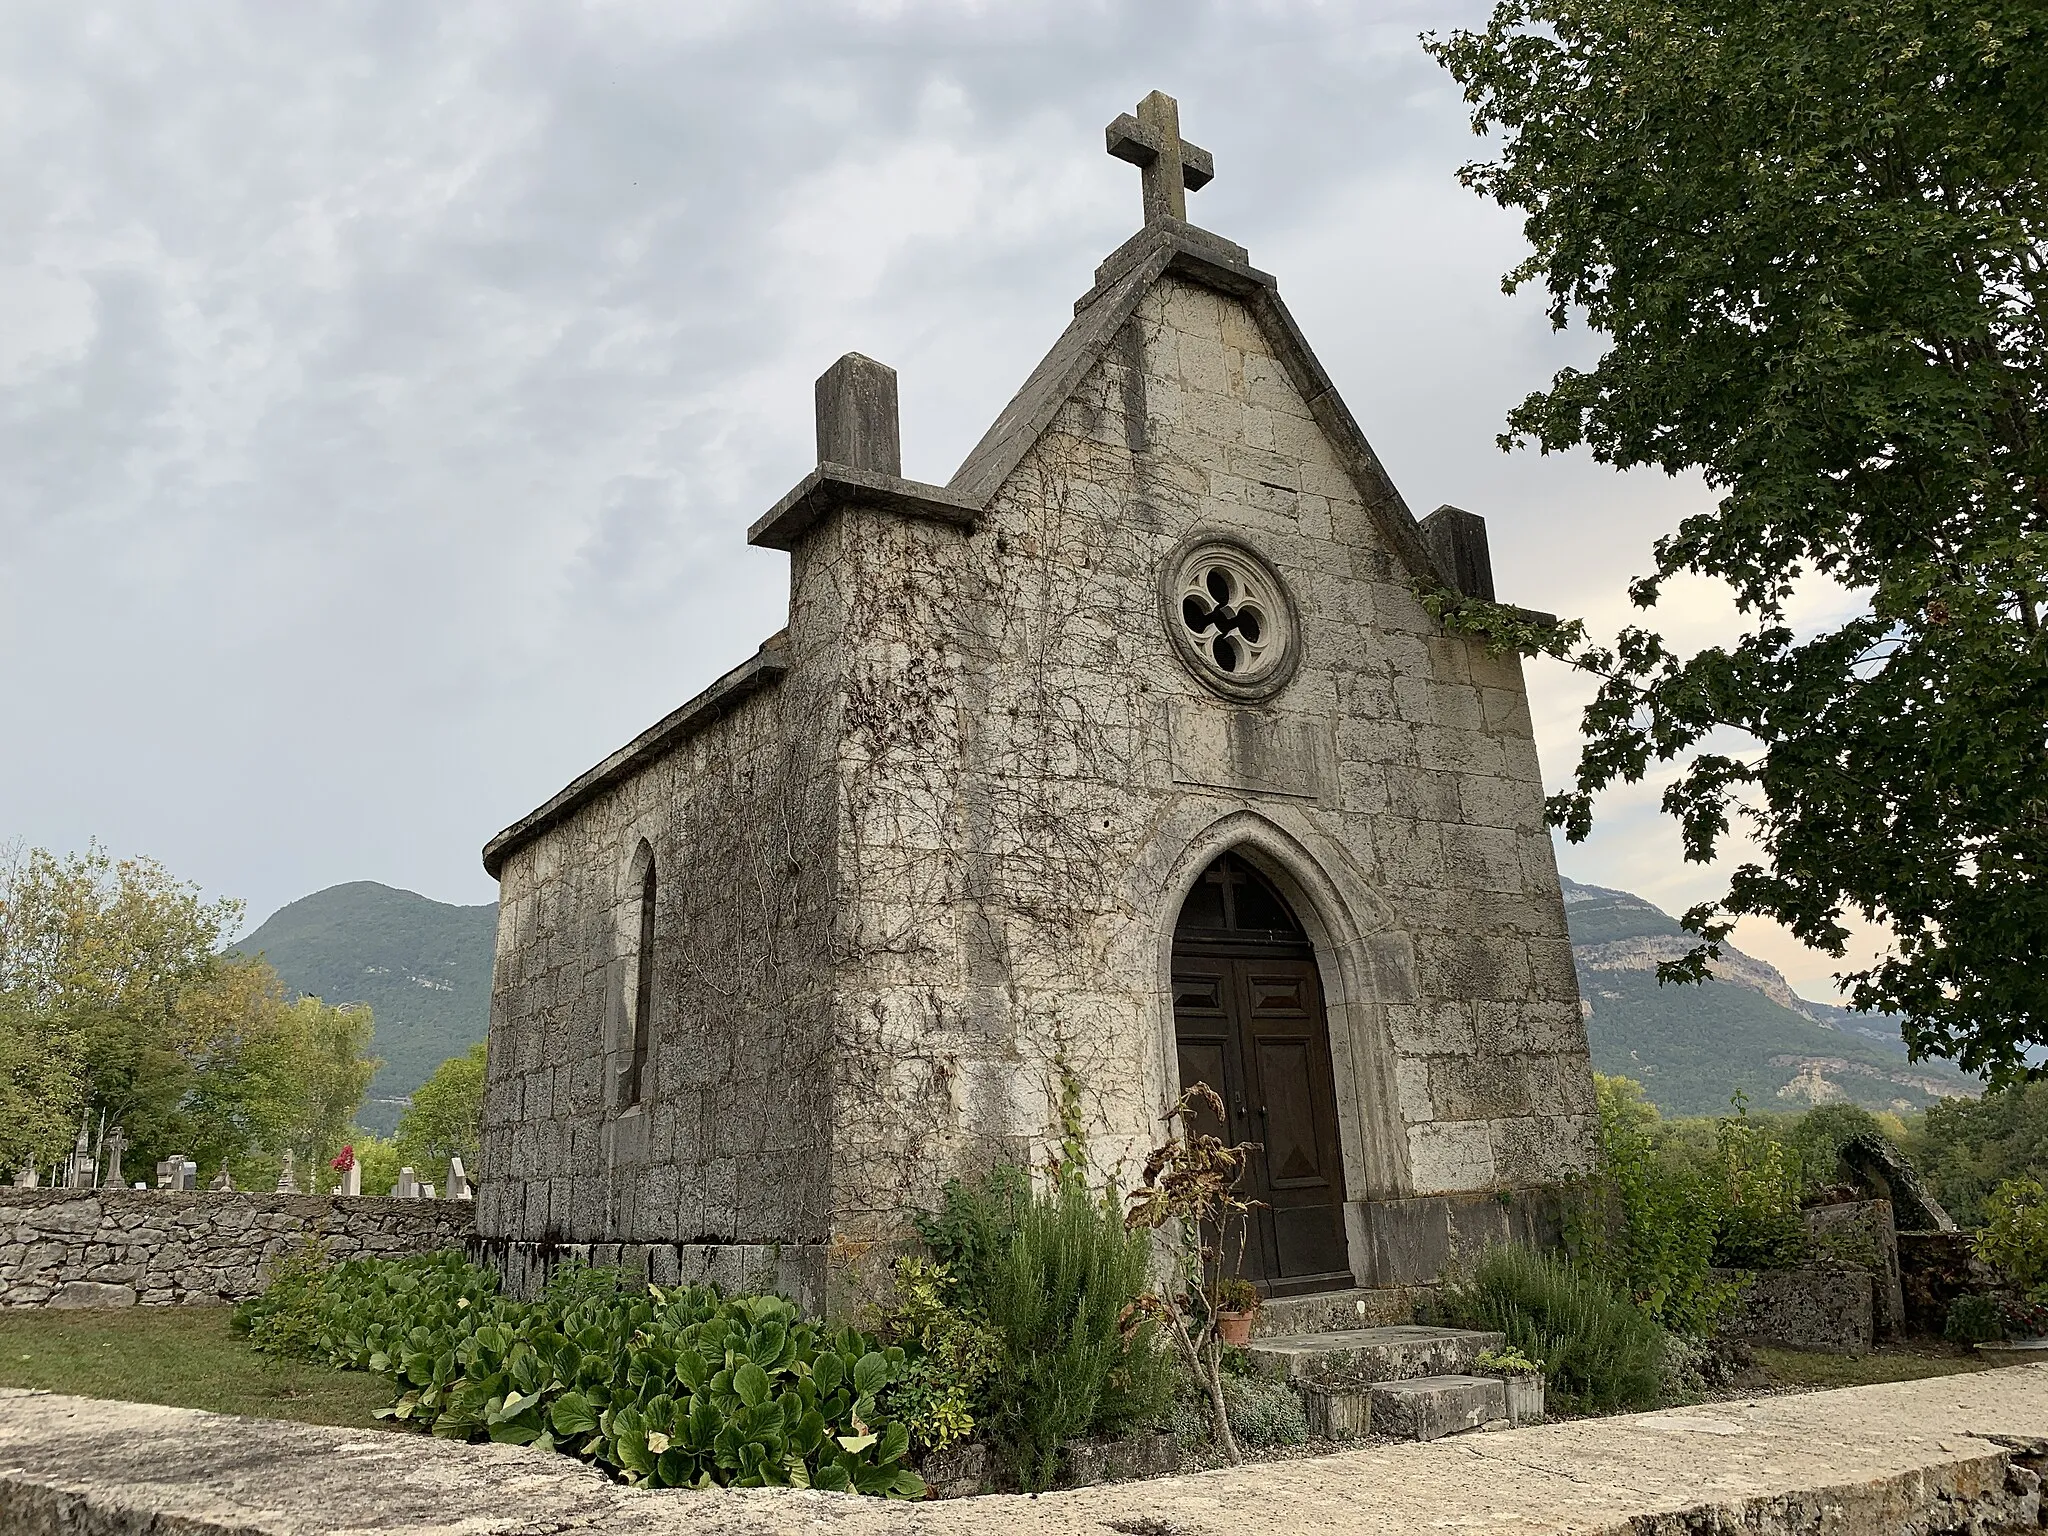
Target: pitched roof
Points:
(1164, 247)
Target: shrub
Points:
(1056, 1279)
(1599, 1351)
(2014, 1239)
(952, 1356)
(1264, 1412)
(1974, 1319)
(285, 1322)
(1646, 1222)
(1757, 1185)
(683, 1388)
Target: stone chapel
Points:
(1125, 758)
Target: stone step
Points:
(1354, 1358)
(1430, 1407)
(1282, 1317)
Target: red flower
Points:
(347, 1160)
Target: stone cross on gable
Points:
(1172, 166)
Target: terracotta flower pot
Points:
(1236, 1327)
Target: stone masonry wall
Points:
(117, 1248)
(1040, 778)
(722, 1148)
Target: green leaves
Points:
(1813, 237)
(682, 1388)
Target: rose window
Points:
(1231, 618)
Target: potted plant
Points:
(1237, 1303)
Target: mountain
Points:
(423, 966)
(1691, 1047)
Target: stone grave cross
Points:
(1172, 166)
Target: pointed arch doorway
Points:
(1248, 1020)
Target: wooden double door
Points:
(1249, 1022)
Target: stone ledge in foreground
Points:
(1953, 1454)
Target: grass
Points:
(1813, 1372)
(181, 1356)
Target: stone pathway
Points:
(1953, 1454)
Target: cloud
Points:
(386, 389)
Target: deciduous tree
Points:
(1813, 234)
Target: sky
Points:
(386, 389)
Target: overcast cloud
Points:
(385, 389)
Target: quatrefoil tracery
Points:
(1231, 617)
(1226, 621)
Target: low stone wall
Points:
(117, 1248)
(1820, 1309)
(1859, 1235)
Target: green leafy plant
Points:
(1601, 1352)
(1055, 1278)
(1645, 1221)
(1810, 237)
(1237, 1294)
(2014, 1238)
(286, 1323)
(1974, 1318)
(952, 1356)
(1264, 1413)
(1758, 1184)
(682, 1388)
(1509, 1360)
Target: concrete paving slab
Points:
(1954, 1454)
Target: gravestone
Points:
(287, 1176)
(222, 1180)
(458, 1181)
(408, 1185)
(179, 1172)
(116, 1149)
(1128, 757)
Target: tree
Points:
(114, 996)
(446, 1116)
(1812, 234)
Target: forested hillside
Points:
(424, 967)
(1692, 1047)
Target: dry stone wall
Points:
(118, 1248)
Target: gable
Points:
(1168, 249)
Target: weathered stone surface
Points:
(117, 1248)
(1821, 1309)
(1524, 1391)
(1875, 1164)
(1359, 1357)
(1860, 1235)
(1430, 1407)
(1938, 1458)
(1337, 1413)
(1282, 1317)
(91, 1293)
(1086, 1463)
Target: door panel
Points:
(1252, 1027)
